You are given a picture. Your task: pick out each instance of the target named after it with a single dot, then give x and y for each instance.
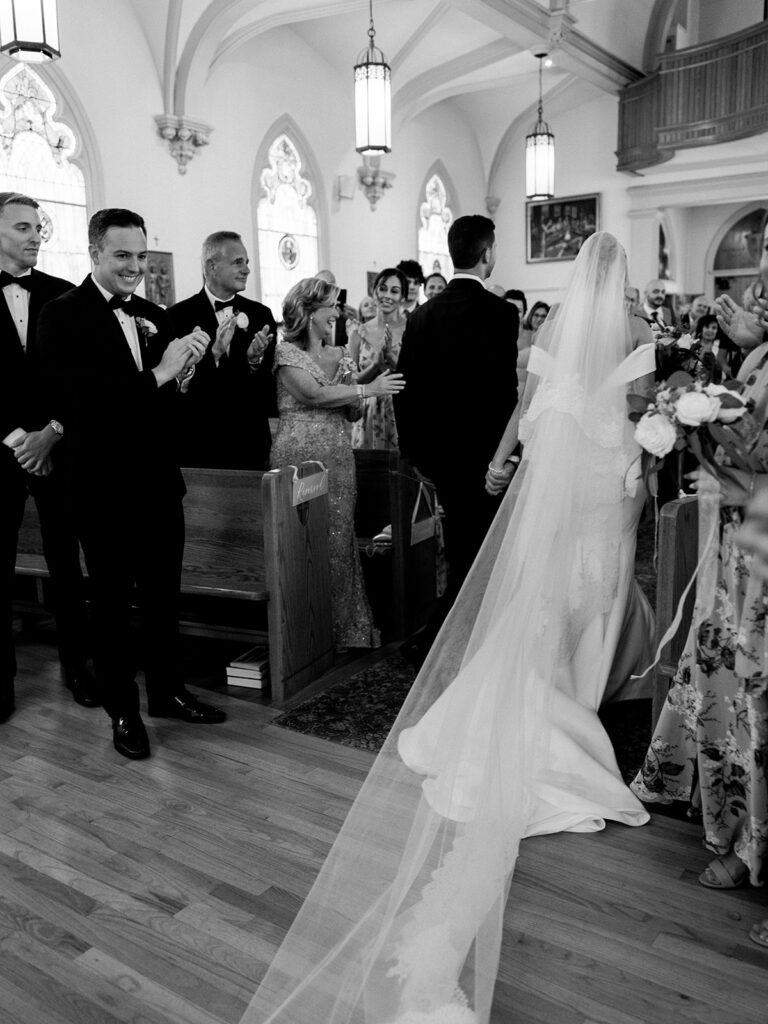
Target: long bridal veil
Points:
(404, 922)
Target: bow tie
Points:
(218, 305)
(22, 282)
(125, 304)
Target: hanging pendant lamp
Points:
(540, 154)
(29, 30)
(373, 98)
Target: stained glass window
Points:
(435, 217)
(287, 224)
(35, 151)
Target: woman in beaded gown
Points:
(316, 392)
(375, 346)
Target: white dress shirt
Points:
(18, 303)
(128, 325)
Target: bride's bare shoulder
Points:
(640, 331)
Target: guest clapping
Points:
(375, 347)
(316, 394)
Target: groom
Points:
(112, 359)
(459, 355)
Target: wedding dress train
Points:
(499, 738)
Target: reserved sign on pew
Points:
(306, 488)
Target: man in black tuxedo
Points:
(224, 408)
(29, 431)
(458, 356)
(113, 359)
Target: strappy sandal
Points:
(717, 876)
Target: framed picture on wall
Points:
(158, 280)
(557, 228)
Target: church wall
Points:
(585, 141)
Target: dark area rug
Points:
(360, 711)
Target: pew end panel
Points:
(298, 580)
(677, 560)
(387, 491)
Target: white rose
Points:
(686, 341)
(730, 413)
(695, 407)
(656, 434)
(241, 320)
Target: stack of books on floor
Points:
(250, 669)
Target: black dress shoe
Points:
(7, 701)
(130, 737)
(187, 708)
(83, 687)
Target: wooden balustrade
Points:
(699, 96)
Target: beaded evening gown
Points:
(376, 427)
(323, 434)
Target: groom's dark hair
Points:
(112, 217)
(468, 237)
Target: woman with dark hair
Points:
(375, 346)
(317, 390)
(717, 353)
(536, 317)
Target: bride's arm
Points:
(501, 468)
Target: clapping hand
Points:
(258, 346)
(224, 335)
(180, 355)
(743, 328)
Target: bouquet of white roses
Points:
(683, 413)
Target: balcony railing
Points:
(705, 94)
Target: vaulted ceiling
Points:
(477, 54)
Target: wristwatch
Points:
(56, 427)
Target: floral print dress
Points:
(713, 728)
(376, 427)
(303, 434)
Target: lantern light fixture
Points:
(373, 98)
(540, 151)
(29, 30)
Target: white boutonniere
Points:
(146, 327)
(241, 320)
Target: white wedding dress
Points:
(580, 786)
(499, 738)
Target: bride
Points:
(499, 737)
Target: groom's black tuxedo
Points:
(26, 403)
(125, 480)
(223, 418)
(458, 357)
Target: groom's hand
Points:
(33, 449)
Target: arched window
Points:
(737, 256)
(35, 152)
(435, 217)
(287, 224)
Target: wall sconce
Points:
(373, 181)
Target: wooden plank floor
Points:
(156, 892)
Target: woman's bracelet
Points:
(361, 391)
(498, 473)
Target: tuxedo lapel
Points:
(106, 331)
(13, 347)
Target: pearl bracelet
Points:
(498, 473)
